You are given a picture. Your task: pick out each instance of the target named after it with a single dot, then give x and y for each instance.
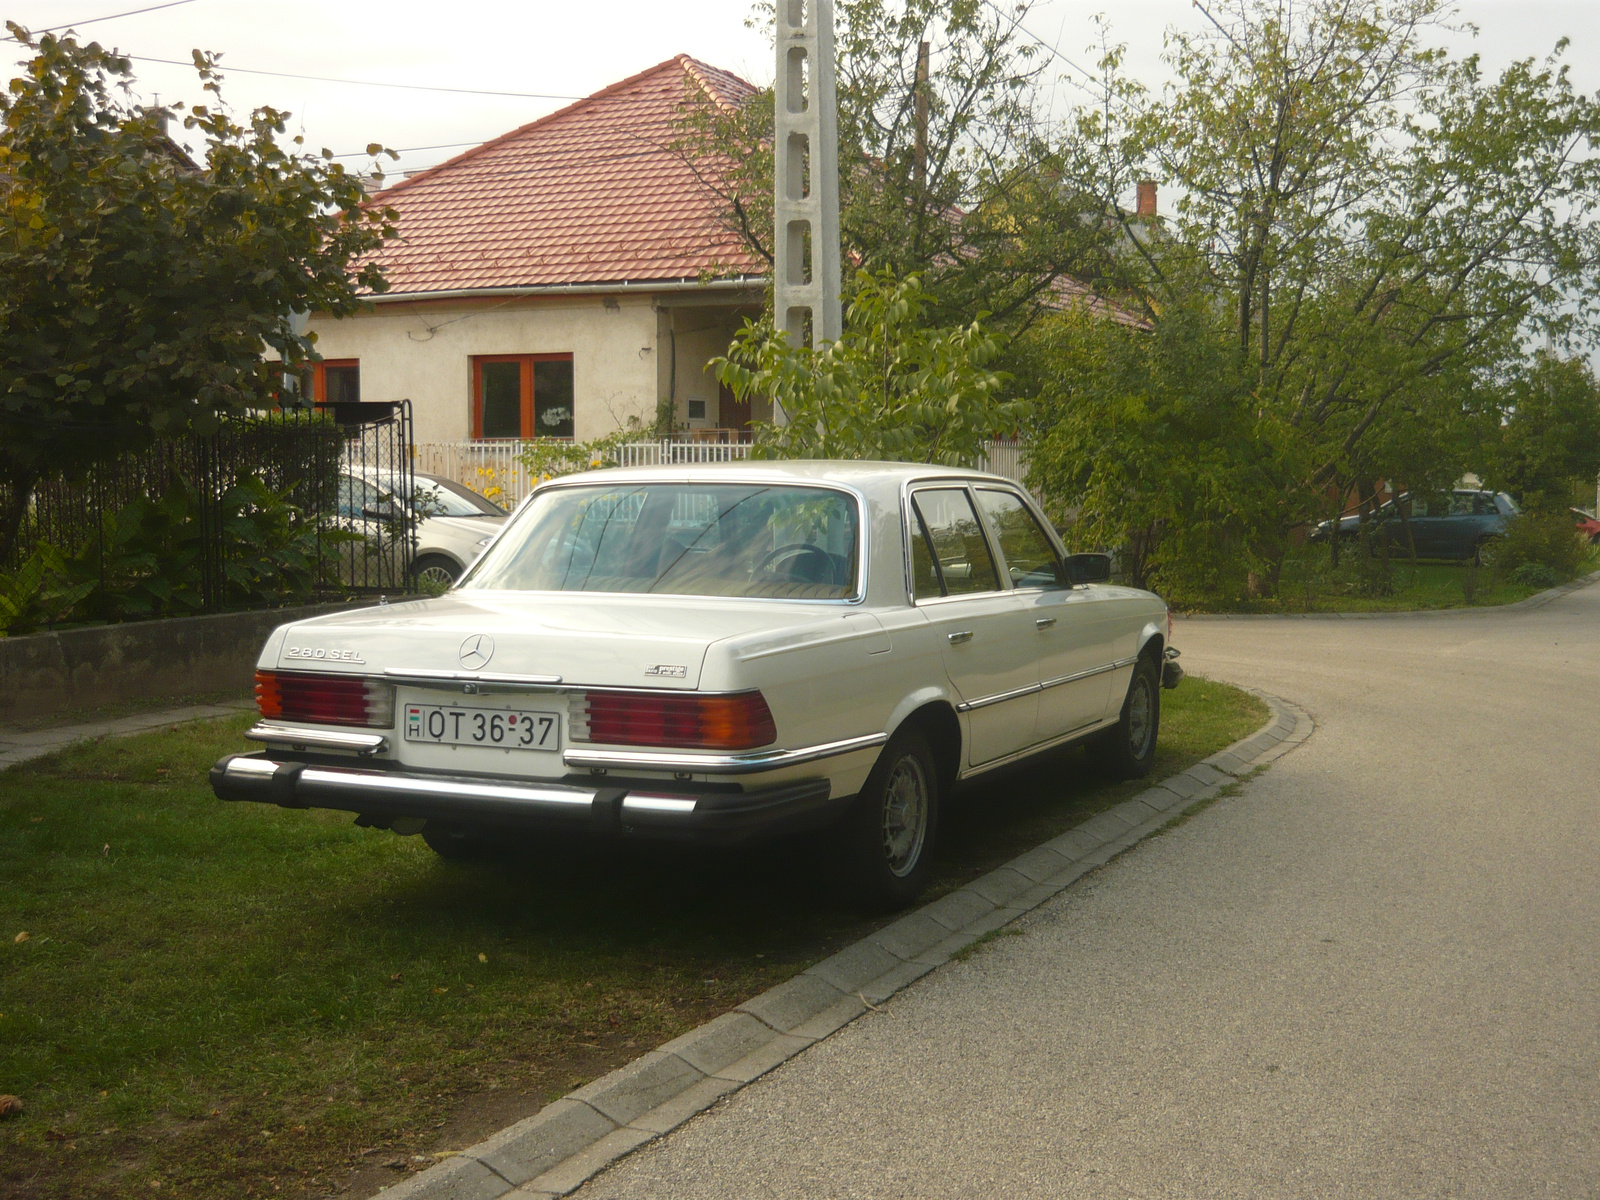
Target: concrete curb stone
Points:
(558, 1149)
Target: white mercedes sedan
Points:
(718, 653)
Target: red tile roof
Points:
(590, 194)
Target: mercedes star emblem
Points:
(476, 651)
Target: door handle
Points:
(957, 639)
(1044, 622)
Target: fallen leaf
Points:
(483, 958)
(105, 850)
(395, 978)
(36, 820)
(22, 937)
(54, 1135)
(440, 991)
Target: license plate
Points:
(502, 728)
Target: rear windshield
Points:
(713, 539)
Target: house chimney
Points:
(1146, 206)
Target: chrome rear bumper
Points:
(456, 800)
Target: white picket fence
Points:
(495, 469)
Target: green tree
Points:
(891, 387)
(1372, 227)
(981, 205)
(139, 289)
(1548, 446)
(1149, 445)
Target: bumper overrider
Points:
(710, 812)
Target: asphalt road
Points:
(1375, 972)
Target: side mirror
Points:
(384, 512)
(1088, 568)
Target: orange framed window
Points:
(522, 396)
(336, 381)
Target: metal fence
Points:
(189, 487)
(494, 469)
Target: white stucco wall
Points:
(423, 352)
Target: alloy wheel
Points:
(905, 817)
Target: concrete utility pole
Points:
(806, 174)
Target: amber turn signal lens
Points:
(325, 699)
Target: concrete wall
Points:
(621, 347)
(43, 673)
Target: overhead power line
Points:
(409, 87)
(1016, 23)
(134, 12)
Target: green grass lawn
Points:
(1309, 585)
(232, 1000)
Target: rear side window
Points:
(1030, 558)
(960, 552)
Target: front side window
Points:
(959, 549)
(1030, 558)
(522, 396)
(713, 539)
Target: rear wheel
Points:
(1129, 746)
(887, 850)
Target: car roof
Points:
(862, 475)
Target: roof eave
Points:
(739, 283)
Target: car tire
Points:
(1127, 749)
(887, 840)
(434, 572)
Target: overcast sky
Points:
(568, 48)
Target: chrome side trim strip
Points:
(997, 698)
(318, 739)
(717, 764)
(422, 677)
(1116, 666)
(1036, 748)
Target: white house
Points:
(558, 280)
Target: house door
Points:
(731, 413)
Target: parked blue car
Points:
(1454, 525)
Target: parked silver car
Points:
(454, 523)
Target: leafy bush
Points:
(1535, 575)
(546, 458)
(149, 560)
(1534, 539)
(890, 388)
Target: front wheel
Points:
(887, 850)
(1128, 747)
(434, 573)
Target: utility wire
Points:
(1017, 24)
(111, 17)
(410, 87)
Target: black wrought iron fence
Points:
(266, 511)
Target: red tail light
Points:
(325, 699)
(688, 722)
